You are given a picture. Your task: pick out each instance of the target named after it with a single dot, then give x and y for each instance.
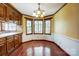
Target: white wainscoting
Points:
(68, 44)
(37, 37)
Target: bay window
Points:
(38, 26)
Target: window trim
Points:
(34, 25)
(31, 26)
(45, 26)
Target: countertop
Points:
(5, 34)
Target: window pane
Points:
(47, 26)
(9, 26)
(5, 26)
(29, 26)
(38, 26)
(12, 26)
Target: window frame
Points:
(31, 26)
(45, 26)
(34, 25)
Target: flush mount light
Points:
(39, 13)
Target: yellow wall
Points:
(52, 25)
(24, 24)
(66, 21)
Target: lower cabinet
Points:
(18, 40)
(9, 44)
(2, 46)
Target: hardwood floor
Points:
(39, 48)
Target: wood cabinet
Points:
(9, 44)
(16, 40)
(2, 46)
(20, 38)
(16, 37)
(10, 13)
(2, 11)
(17, 18)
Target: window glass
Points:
(29, 26)
(47, 26)
(38, 26)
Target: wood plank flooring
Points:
(39, 48)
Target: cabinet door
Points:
(20, 38)
(18, 17)
(10, 13)
(2, 46)
(2, 11)
(16, 40)
(10, 44)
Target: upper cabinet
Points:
(8, 12)
(17, 17)
(2, 11)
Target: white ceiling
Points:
(28, 8)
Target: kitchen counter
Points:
(5, 34)
(9, 41)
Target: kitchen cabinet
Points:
(9, 44)
(2, 46)
(10, 14)
(16, 40)
(18, 17)
(2, 11)
(20, 38)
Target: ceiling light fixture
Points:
(39, 13)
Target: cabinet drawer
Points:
(20, 38)
(16, 37)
